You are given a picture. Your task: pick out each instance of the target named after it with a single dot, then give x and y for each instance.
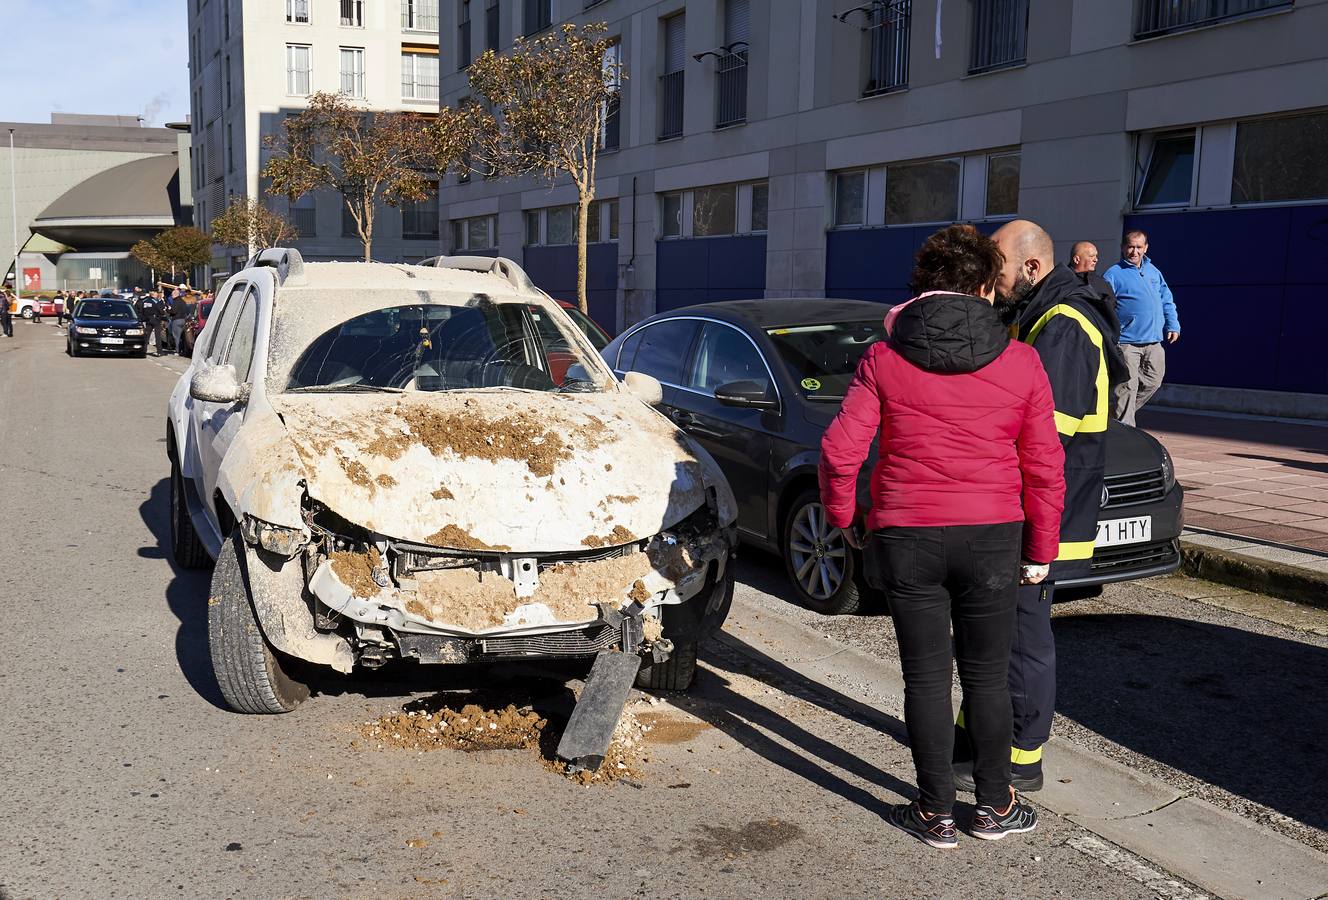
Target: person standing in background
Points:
(6, 320)
(1147, 314)
(1083, 257)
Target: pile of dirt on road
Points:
(469, 728)
(445, 723)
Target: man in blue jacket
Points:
(1147, 316)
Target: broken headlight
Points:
(278, 539)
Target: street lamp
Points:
(13, 212)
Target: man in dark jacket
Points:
(1071, 324)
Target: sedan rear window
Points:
(823, 357)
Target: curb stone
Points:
(1209, 847)
(1249, 573)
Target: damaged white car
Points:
(432, 463)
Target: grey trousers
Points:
(1147, 364)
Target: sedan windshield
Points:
(106, 309)
(822, 358)
(448, 348)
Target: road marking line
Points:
(1127, 865)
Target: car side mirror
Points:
(217, 384)
(645, 388)
(746, 395)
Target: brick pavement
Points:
(1257, 478)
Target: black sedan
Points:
(757, 382)
(104, 325)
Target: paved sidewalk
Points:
(1261, 479)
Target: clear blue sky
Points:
(110, 57)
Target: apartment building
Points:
(806, 147)
(254, 62)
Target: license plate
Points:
(112, 340)
(1115, 532)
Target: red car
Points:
(599, 338)
(194, 327)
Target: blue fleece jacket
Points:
(1143, 302)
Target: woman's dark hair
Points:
(958, 259)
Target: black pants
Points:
(1032, 677)
(6, 320)
(965, 574)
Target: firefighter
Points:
(1071, 322)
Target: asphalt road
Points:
(124, 776)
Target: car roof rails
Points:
(488, 265)
(286, 260)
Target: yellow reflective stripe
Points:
(1095, 421)
(1067, 424)
(959, 719)
(1075, 550)
(1025, 757)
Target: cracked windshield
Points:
(448, 348)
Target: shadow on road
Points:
(1238, 710)
(752, 724)
(186, 595)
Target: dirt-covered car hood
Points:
(499, 470)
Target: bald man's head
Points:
(1029, 257)
(1083, 257)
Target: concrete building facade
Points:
(806, 147)
(253, 62)
(51, 159)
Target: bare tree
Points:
(540, 110)
(368, 157)
(248, 223)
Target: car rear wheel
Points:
(253, 678)
(186, 547)
(821, 566)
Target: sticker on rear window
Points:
(811, 384)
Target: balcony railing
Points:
(1157, 17)
(731, 93)
(887, 46)
(670, 104)
(1000, 34)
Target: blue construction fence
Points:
(554, 269)
(703, 270)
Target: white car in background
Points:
(430, 462)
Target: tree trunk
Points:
(582, 216)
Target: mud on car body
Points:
(385, 463)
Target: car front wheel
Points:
(251, 675)
(28, 313)
(186, 547)
(821, 566)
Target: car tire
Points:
(674, 674)
(810, 548)
(251, 675)
(142, 354)
(71, 349)
(186, 547)
(27, 313)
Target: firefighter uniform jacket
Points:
(1069, 320)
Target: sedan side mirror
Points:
(217, 384)
(644, 387)
(746, 395)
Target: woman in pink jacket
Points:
(969, 475)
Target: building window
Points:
(717, 210)
(228, 82)
(533, 236)
(298, 69)
(1002, 184)
(1000, 34)
(226, 19)
(922, 192)
(610, 133)
(352, 72)
(297, 11)
(304, 215)
(491, 23)
(1165, 169)
(731, 71)
(352, 13)
(1281, 160)
(850, 199)
(671, 82)
(419, 76)
(760, 206)
(1158, 17)
(463, 35)
(419, 15)
(557, 225)
(539, 15)
(419, 220)
(230, 147)
(476, 233)
(888, 26)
